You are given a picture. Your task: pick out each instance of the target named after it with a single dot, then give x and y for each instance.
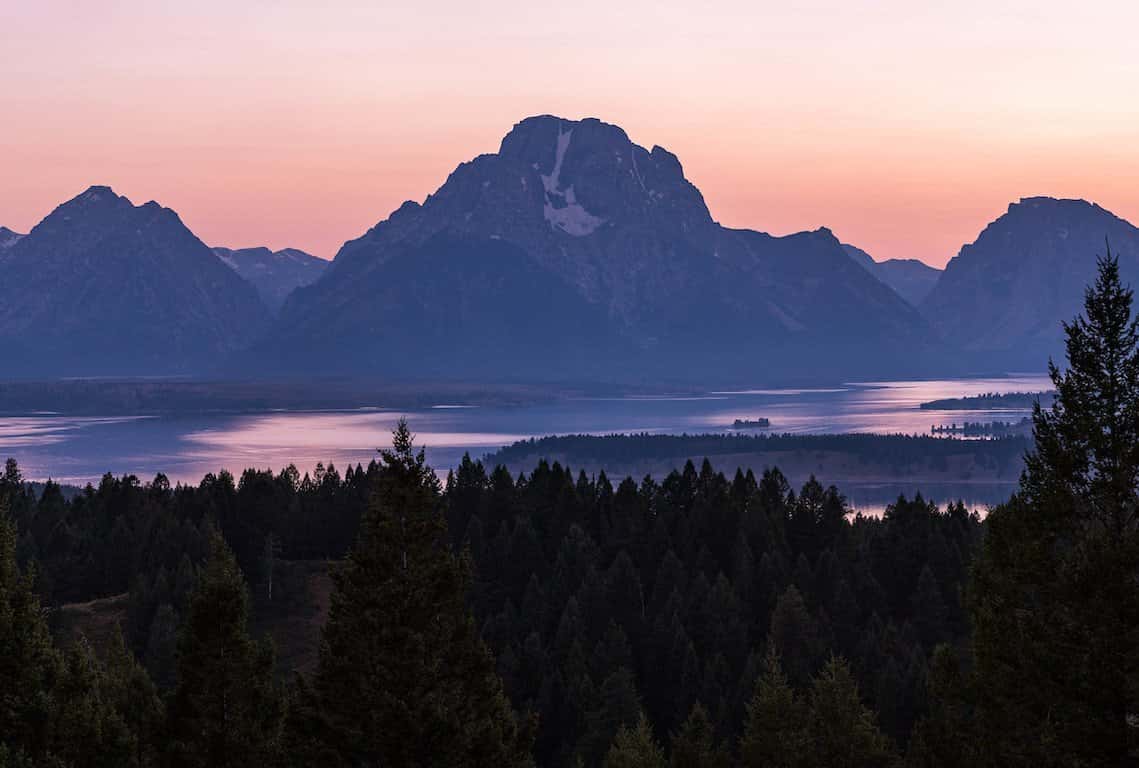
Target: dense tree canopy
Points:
(596, 602)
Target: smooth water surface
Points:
(81, 449)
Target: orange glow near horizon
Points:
(903, 129)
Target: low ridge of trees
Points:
(559, 620)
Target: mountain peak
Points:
(1007, 292)
(580, 217)
(104, 286)
(101, 196)
(98, 194)
(1047, 203)
(534, 134)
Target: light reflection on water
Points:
(186, 447)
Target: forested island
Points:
(558, 618)
(991, 401)
(760, 423)
(845, 458)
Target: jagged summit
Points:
(100, 195)
(99, 206)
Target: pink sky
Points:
(903, 128)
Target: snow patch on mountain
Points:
(569, 216)
(572, 219)
(551, 182)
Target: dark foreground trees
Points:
(55, 708)
(1055, 597)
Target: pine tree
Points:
(87, 732)
(943, 737)
(695, 745)
(635, 747)
(403, 678)
(1055, 595)
(617, 705)
(928, 609)
(774, 735)
(794, 634)
(225, 709)
(841, 732)
(135, 698)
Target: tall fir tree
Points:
(943, 737)
(774, 730)
(226, 709)
(841, 732)
(135, 698)
(635, 747)
(403, 678)
(695, 745)
(1055, 592)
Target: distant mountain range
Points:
(1003, 297)
(911, 279)
(275, 274)
(105, 287)
(570, 254)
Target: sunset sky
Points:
(902, 126)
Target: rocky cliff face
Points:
(617, 232)
(102, 286)
(275, 274)
(1006, 294)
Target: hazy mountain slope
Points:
(8, 238)
(275, 274)
(911, 279)
(102, 286)
(1005, 295)
(454, 303)
(860, 256)
(660, 287)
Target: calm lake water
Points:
(78, 450)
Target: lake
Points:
(186, 447)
